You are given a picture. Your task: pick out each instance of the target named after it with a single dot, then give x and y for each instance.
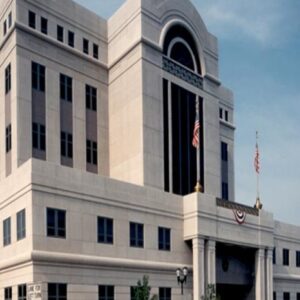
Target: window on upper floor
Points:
(286, 296)
(66, 144)
(44, 25)
(38, 136)
(71, 38)
(21, 225)
(56, 223)
(274, 256)
(164, 238)
(132, 293)
(60, 33)
(221, 113)
(91, 152)
(6, 232)
(136, 235)
(31, 19)
(95, 51)
(7, 79)
(224, 151)
(8, 138)
(298, 296)
(285, 257)
(105, 230)
(91, 97)
(38, 77)
(85, 46)
(274, 295)
(226, 116)
(66, 89)
(298, 259)
(4, 28)
(9, 20)
(8, 293)
(22, 292)
(106, 292)
(57, 291)
(165, 293)
(225, 195)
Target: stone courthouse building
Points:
(97, 167)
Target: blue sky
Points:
(259, 52)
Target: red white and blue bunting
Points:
(240, 216)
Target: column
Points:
(269, 273)
(210, 255)
(260, 274)
(198, 268)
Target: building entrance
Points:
(235, 272)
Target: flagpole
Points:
(258, 204)
(198, 187)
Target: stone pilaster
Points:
(198, 268)
(269, 273)
(260, 274)
(210, 254)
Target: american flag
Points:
(256, 160)
(195, 141)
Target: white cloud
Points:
(262, 21)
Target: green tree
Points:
(142, 290)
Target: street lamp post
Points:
(182, 276)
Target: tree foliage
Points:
(142, 290)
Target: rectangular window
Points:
(165, 293)
(9, 20)
(91, 152)
(225, 195)
(106, 292)
(95, 51)
(286, 296)
(105, 230)
(132, 292)
(66, 92)
(91, 97)
(224, 151)
(44, 25)
(274, 295)
(38, 137)
(6, 232)
(38, 77)
(8, 138)
(8, 293)
(71, 39)
(85, 46)
(57, 291)
(66, 144)
(136, 235)
(285, 257)
(7, 79)
(226, 115)
(31, 19)
(164, 238)
(298, 259)
(4, 28)
(274, 256)
(298, 296)
(21, 225)
(22, 292)
(220, 113)
(60, 33)
(56, 223)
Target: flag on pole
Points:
(256, 159)
(196, 131)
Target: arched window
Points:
(180, 46)
(181, 59)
